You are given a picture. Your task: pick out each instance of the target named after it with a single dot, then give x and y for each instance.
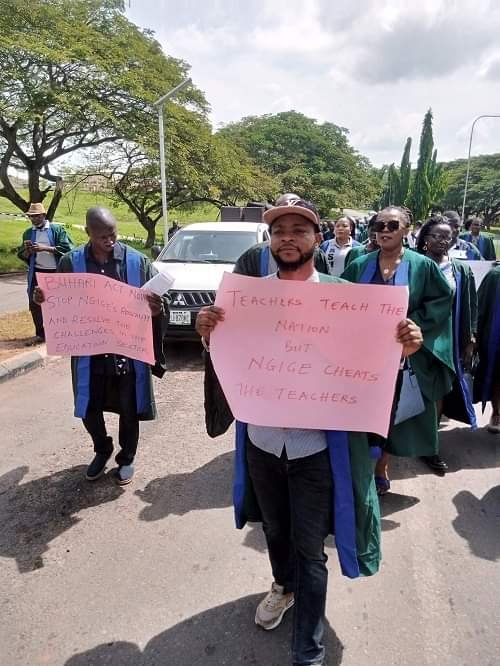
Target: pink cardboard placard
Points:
(299, 354)
(86, 314)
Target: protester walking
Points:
(460, 248)
(370, 245)
(111, 382)
(483, 243)
(301, 483)
(414, 428)
(338, 247)
(434, 242)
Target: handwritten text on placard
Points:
(86, 314)
(308, 355)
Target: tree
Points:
(405, 174)
(202, 168)
(390, 193)
(314, 160)
(421, 191)
(483, 193)
(75, 75)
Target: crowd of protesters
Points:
(303, 484)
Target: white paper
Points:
(159, 283)
(480, 269)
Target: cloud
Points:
(491, 68)
(295, 35)
(425, 42)
(373, 66)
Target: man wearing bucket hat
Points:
(43, 244)
(301, 483)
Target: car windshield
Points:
(219, 247)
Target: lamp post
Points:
(468, 158)
(163, 168)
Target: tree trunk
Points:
(56, 198)
(150, 240)
(34, 185)
(8, 190)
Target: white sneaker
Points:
(271, 609)
(494, 424)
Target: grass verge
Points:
(16, 330)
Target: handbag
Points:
(411, 402)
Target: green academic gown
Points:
(359, 496)
(430, 306)
(144, 391)
(488, 336)
(58, 238)
(458, 404)
(354, 253)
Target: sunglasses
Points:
(392, 225)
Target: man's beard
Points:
(293, 265)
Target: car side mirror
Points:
(155, 251)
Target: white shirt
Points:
(447, 270)
(336, 255)
(44, 260)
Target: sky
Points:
(372, 66)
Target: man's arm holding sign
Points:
(301, 358)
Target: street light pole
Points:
(468, 158)
(163, 168)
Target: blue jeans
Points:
(295, 499)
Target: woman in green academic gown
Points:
(434, 241)
(430, 301)
(487, 378)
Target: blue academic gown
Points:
(484, 244)
(343, 509)
(142, 371)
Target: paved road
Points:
(13, 293)
(155, 574)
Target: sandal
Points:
(383, 485)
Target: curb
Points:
(13, 274)
(23, 363)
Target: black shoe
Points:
(435, 463)
(97, 466)
(35, 340)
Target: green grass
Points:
(72, 212)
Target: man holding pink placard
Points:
(113, 382)
(301, 483)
